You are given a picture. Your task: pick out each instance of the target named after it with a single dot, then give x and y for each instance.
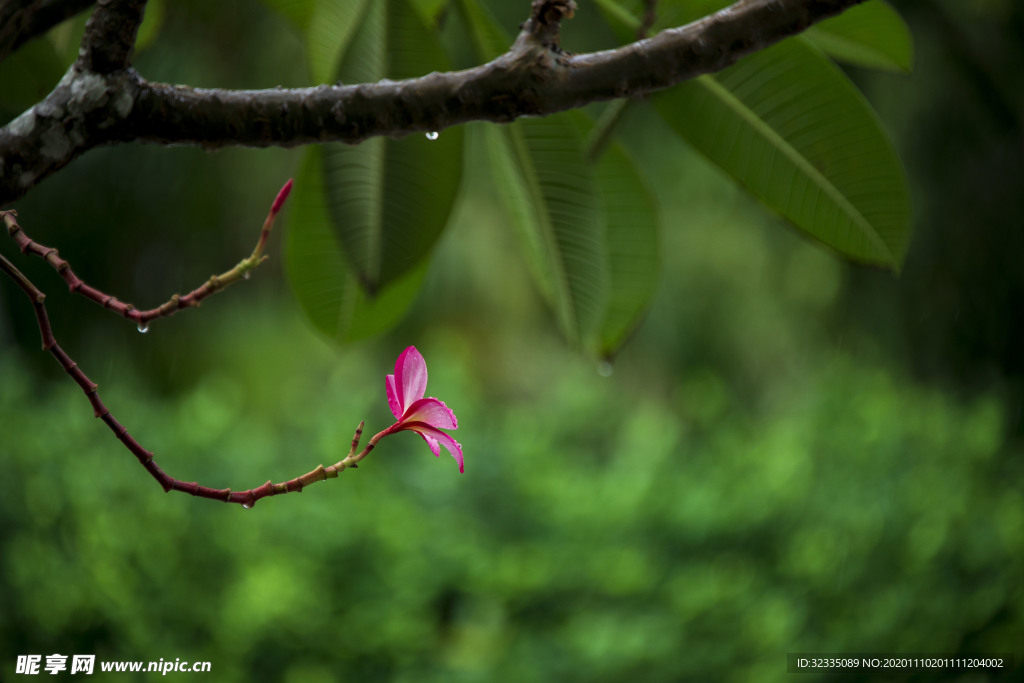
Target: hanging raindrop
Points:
(246, 275)
(142, 327)
(248, 506)
(433, 135)
(605, 369)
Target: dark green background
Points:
(791, 455)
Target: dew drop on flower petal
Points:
(605, 369)
(142, 327)
(433, 135)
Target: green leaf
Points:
(549, 191)
(673, 13)
(489, 40)
(389, 200)
(429, 10)
(793, 130)
(332, 26)
(27, 76)
(152, 22)
(298, 12)
(631, 234)
(589, 229)
(623, 17)
(872, 35)
(319, 272)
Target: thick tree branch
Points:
(109, 38)
(88, 109)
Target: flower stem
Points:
(177, 302)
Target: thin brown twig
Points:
(177, 302)
(650, 16)
(245, 498)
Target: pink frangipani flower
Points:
(426, 416)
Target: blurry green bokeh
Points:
(603, 529)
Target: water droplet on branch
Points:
(142, 327)
(248, 506)
(246, 275)
(433, 135)
(605, 369)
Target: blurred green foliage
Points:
(762, 473)
(604, 528)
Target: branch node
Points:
(110, 34)
(355, 439)
(553, 11)
(544, 25)
(190, 487)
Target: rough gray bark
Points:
(101, 100)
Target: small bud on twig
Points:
(282, 195)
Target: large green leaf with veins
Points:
(631, 245)
(589, 227)
(330, 28)
(389, 200)
(366, 217)
(321, 277)
(550, 194)
(871, 35)
(793, 130)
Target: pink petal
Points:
(433, 436)
(410, 377)
(432, 442)
(433, 412)
(393, 401)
